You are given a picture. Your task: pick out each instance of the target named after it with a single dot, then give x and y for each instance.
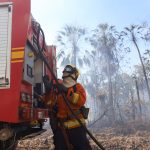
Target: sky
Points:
(53, 15)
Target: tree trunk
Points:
(143, 67)
(138, 95)
(133, 105)
(110, 95)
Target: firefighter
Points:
(68, 133)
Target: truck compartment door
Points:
(5, 43)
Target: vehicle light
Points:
(34, 123)
(23, 97)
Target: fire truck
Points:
(22, 42)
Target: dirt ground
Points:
(140, 140)
(110, 138)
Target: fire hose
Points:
(40, 53)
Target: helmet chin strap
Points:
(70, 77)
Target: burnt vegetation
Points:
(115, 70)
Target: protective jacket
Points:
(63, 113)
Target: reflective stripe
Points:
(17, 48)
(75, 98)
(16, 61)
(73, 123)
(17, 54)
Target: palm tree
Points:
(70, 40)
(104, 40)
(133, 33)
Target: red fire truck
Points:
(21, 67)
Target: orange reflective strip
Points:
(15, 61)
(17, 48)
(17, 54)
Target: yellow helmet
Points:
(71, 69)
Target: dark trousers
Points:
(77, 138)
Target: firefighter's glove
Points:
(62, 88)
(47, 83)
(74, 98)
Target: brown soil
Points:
(110, 138)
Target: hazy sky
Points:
(54, 14)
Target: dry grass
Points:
(137, 141)
(131, 136)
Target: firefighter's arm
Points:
(44, 98)
(78, 97)
(49, 99)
